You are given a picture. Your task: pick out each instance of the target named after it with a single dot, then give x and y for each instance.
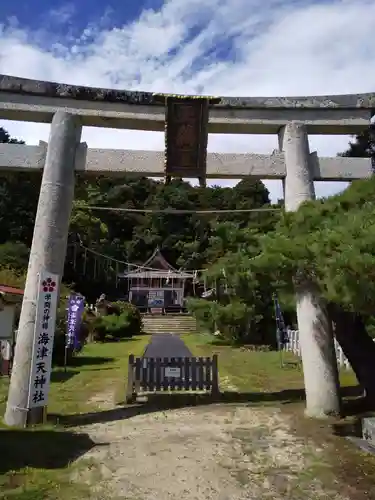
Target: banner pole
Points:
(65, 357)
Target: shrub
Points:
(204, 312)
(237, 322)
(12, 277)
(233, 321)
(370, 325)
(112, 326)
(133, 316)
(123, 321)
(14, 255)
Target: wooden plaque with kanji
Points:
(186, 137)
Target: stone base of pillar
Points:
(36, 416)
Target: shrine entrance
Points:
(186, 120)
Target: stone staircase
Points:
(169, 323)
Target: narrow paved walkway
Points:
(166, 345)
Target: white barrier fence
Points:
(293, 346)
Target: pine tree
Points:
(363, 145)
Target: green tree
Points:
(7, 139)
(363, 145)
(331, 243)
(19, 194)
(245, 295)
(14, 256)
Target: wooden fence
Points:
(149, 375)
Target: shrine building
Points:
(156, 286)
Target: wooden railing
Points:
(150, 375)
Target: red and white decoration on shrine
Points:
(45, 322)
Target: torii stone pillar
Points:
(315, 329)
(47, 251)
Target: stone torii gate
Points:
(68, 108)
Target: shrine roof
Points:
(158, 261)
(10, 295)
(156, 267)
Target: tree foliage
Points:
(363, 145)
(248, 256)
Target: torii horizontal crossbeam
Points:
(117, 162)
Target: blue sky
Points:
(215, 47)
(80, 13)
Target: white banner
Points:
(45, 322)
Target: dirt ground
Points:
(215, 452)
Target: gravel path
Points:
(216, 452)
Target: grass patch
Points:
(38, 463)
(257, 372)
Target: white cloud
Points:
(62, 14)
(222, 47)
